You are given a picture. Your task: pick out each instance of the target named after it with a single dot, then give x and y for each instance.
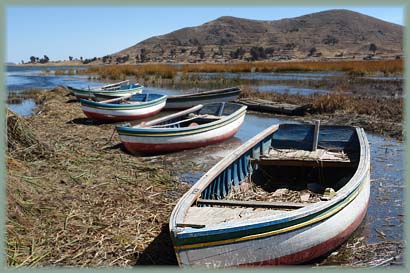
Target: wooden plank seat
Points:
(318, 158)
(205, 116)
(253, 204)
(199, 217)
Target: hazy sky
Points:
(59, 32)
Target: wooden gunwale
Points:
(167, 132)
(206, 93)
(172, 116)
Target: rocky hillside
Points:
(323, 35)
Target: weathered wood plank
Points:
(317, 158)
(198, 216)
(190, 225)
(300, 163)
(255, 204)
(274, 107)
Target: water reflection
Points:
(36, 77)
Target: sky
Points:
(88, 32)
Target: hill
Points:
(327, 34)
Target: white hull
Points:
(276, 246)
(124, 112)
(191, 138)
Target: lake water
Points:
(20, 79)
(24, 109)
(271, 75)
(24, 78)
(289, 90)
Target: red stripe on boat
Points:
(98, 116)
(315, 251)
(135, 148)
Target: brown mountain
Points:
(327, 34)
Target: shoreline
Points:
(324, 107)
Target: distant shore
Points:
(227, 64)
(62, 63)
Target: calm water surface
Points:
(290, 90)
(24, 109)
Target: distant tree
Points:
(238, 53)
(70, 58)
(290, 46)
(254, 53)
(312, 51)
(37, 59)
(22, 61)
(44, 60)
(330, 40)
(221, 51)
(81, 58)
(143, 55)
(194, 41)
(201, 52)
(32, 59)
(373, 48)
(122, 59)
(269, 50)
(105, 58)
(87, 61)
(257, 53)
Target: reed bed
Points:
(21, 143)
(165, 71)
(90, 204)
(60, 72)
(386, 66)
(380, 107)
(121, 72)
(382, 115)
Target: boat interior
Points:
(134, 99)
(208, 113)
(286, 176)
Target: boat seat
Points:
(318, 158)
(198, 217)
(253, 204)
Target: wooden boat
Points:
(107, 91)
(129, 107)
(103, 87)
(236, 214)
(267, 106)
(195, 127)
(189, 100)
